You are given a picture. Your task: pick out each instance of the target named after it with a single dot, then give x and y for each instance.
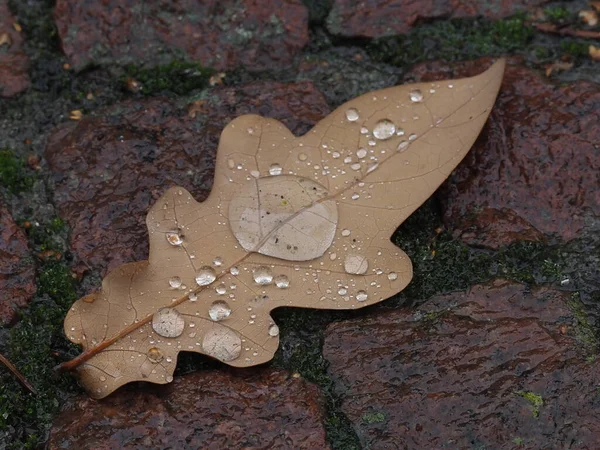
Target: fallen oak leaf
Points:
(291, 221)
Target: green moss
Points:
(454, 40)
(14, 175)
(33, 345)
(178, 77)
(518, 441)
(535, 400)
(574, 48)
(373, 417)
(558, 14)
(585, 332)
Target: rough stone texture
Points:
(535, 169)
(17, 274)
(14, 63)
(456, 373)
(205, 410)
(109, 169)
(377, 18)
(219, 34)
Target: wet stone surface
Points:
(13, 60)
(17, 272)
(376, 18)
(107, 170)
(498, 367)
(221, 35)
(208, 410)
(533, 172)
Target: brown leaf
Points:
(291, 221)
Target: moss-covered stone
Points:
(178, 77)
(535, 400)
(14, 175)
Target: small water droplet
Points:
(192, 296)
(262, 275)
(219, 310)
(364, 130)
(412, 137)
(154, 355)
(273, 330)
(399, 132)
(403, 145)
(361, 153)
(175, 282)
(234, 271)
(352, 114)
(355, 196)
(221, 289)
(416, 96)
(450, 86)
(169, 378)
(168, 322)
(205, 276)
(218, 261)
(384, 129)
(282, 281)
(356, 264)
(275, 169)
(392, 276)
(174, 238)
(342, 291)
(302, 156)
(333, 256)
(361, 296)
(345, 232)
(355, 166)
(255, 173)
(335, 155)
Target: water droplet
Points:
(302, 156)
(234, 271)
(221, 289)
(262, 275)
(364, 130)
(361, 296)
(361, 153)
(282, 281)
(273, 330)
(416, 96)
(399, 132)
(356, 264)
(384, 129)
(219, 310)
(335, 155)
(333, 256)
(275, 169)
(255, 173)
(355, 166)
(155, 355)
(218, 261)
(205, 276)
(403, 145)
(174, 238)
(352, 114)
(412, 137)
(193, 296)
(222, 343)
(342, 291)
(168, 322)
(266, 215)
(345, 232)
(175, 282)
(450, 86)
(392, 276)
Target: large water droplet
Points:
(416, 96)
(155, 355)
(174, 238)
(168, 322)
(361, 296)
(275, 169)
(273, 330)
(384, 129)
(221, 289)
(219, 310)
(234, 271)
(175, 282)
(205, 276)
(262, 275)
(282, 281)
(222, 343)
(356, 264)
(287, 217)
(352, 114)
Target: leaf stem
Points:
(18, 375)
